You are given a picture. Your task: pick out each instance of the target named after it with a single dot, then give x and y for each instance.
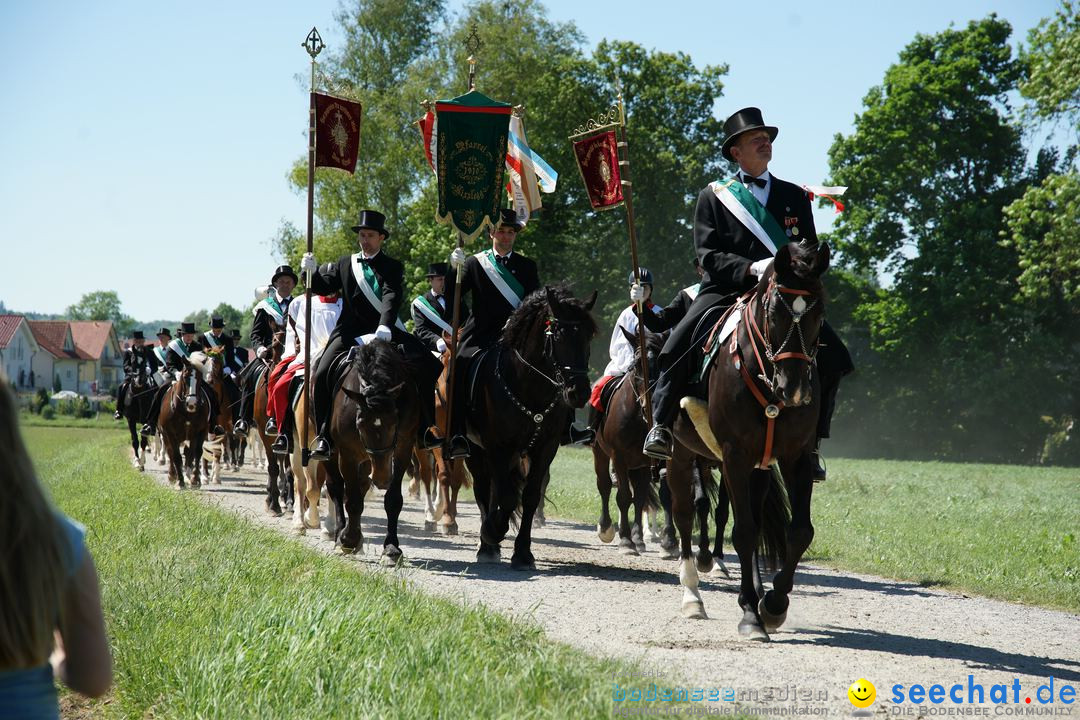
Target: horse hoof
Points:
(653, 537)
(607, 535)
(753, 632)
(720, 568)
(704, 561)
(772, 620)
(274, 511)
(449, 529)
(524, 562)
(429, 525)
(669, 553)
(694, 610)
(487, 555)
(539, 522)
(346, 550)
(627, 548)
(391, 556)
(640, 547)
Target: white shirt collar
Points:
(280, 298)
(499, 256)
(370, 257)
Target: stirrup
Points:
(321, 449)
(146, 430)
(271, 428)
(240, 427)
(282, 445)
(429, 440)
(458, 447)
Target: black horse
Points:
(763, 403)
(527, 386)
(376, 412)
(137, 400)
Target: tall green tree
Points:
(932, 162)
(101, 305)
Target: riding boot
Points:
(457, 446)
(271, 427)
(150, 427)
(321, 447)
(573, 435)
(121, 392)
(283, 444)
(240, 427)
(818, 470)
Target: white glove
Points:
(637, 293)
(758, 268)
(261, 352)
(262, 292)
(457, 258)
(383, 333)
(308, 264)
(440, 345)
(365, 339)
(229, 371)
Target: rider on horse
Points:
(136, 356)
(499, 279)
(735, 249)
(325, 311)
(179, 350)
(270, 314)
(371, 287)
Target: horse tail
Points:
(709, 485)
(775, 517)
(652, 501)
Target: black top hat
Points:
(164, 331)
(508, 216)
(188, 327)
(436, 269)
(284, 270)
(236, 333)
(372, 220)
(745, 120)
(216, 322)
(138, 335)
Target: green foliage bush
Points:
(48, 412)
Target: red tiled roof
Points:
(9, 324)
(90, 336)
(50, 336)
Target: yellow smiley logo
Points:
(862, 693)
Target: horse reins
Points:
(771, 410)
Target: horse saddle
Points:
(611, 383)
(478, 360)
(709, 336)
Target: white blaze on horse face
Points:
(799, 306)
(378, 422)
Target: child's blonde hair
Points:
(32, 552)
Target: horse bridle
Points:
(559, 382)
(798, 309)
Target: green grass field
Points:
(102, 421)
(1003, 531)
(211, 616)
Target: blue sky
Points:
(145, 144)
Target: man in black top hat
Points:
(176, 355)
(733, 256)
(433, 311)
(271, 314)
(136, 356)
(157, 356)
(371, 287)
(493, 301)
(216, 337)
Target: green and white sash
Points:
(177, 346)
(502, 278)
(369, 285)
(272, 308)
(692, 291)
(751, 213)
(160, 352)
(421, 303)
(212, 339)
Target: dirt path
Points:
(841, 626)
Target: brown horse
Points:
(617, 451)
(184, 419)
(278, 480)
(763, 402)
(375, 416)
(307, 481)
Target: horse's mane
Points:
(382, 368)
(803, 272)
(198, 359)
(535, 306)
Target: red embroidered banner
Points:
(598, 161)
(337, 132)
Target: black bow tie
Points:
(364, 260)
(760, 182)
(504, 260)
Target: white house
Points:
(17, 350)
